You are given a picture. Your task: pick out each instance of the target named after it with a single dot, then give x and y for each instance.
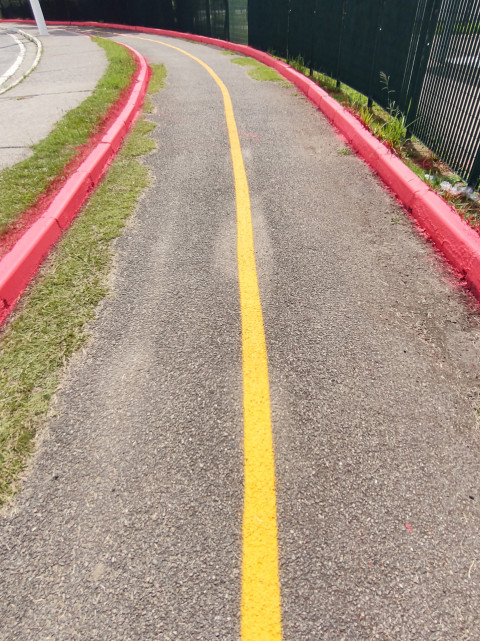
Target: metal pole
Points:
(474, 177)
(312, 47)
(209, 20)
(340, 38)
(288, 29)
(39, 19)
(373, 69)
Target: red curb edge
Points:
(452, 236)
(21, 263)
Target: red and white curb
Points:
(453, 237)
(21, 263)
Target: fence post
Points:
(474, 177)
(209, 22)
(339, 54)
(312, 47)
(421, 59)
(381, 5)
(289, 11)
(227, 21)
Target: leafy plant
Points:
(366, 116)
(354, 100)
(297, 63)
(394, 130)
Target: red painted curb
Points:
(21, 263)
(458, 242)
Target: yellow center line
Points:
(260, 609)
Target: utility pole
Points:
(39, 19)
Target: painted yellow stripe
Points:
(261, 614)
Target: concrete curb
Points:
(454, 238)
(21, 263)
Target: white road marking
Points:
(11, 70)
(39, 46)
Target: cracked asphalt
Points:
(128, 526)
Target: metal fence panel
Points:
(350, 40)
(301, 30)
(448, 113)
(327, 23)
(393, 36)
(429, 50)
(238, 21)
(359, 28)
(225, 19)
(268, 25)
(219, 19)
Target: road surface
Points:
(129, 525)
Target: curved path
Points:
(130, 523)
(12, 52)
(26, 53)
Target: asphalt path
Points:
(129, 525)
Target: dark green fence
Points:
(428, 49)
(154, 13)
(349, 40)
(225, 19)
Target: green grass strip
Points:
(257, 70)
(23, 183)
(52, 322)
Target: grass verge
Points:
(52, 321)
(257, 70)
(22, 184)
(157, 80)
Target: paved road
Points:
(11, 54)
(70, 67)
(130, 523)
